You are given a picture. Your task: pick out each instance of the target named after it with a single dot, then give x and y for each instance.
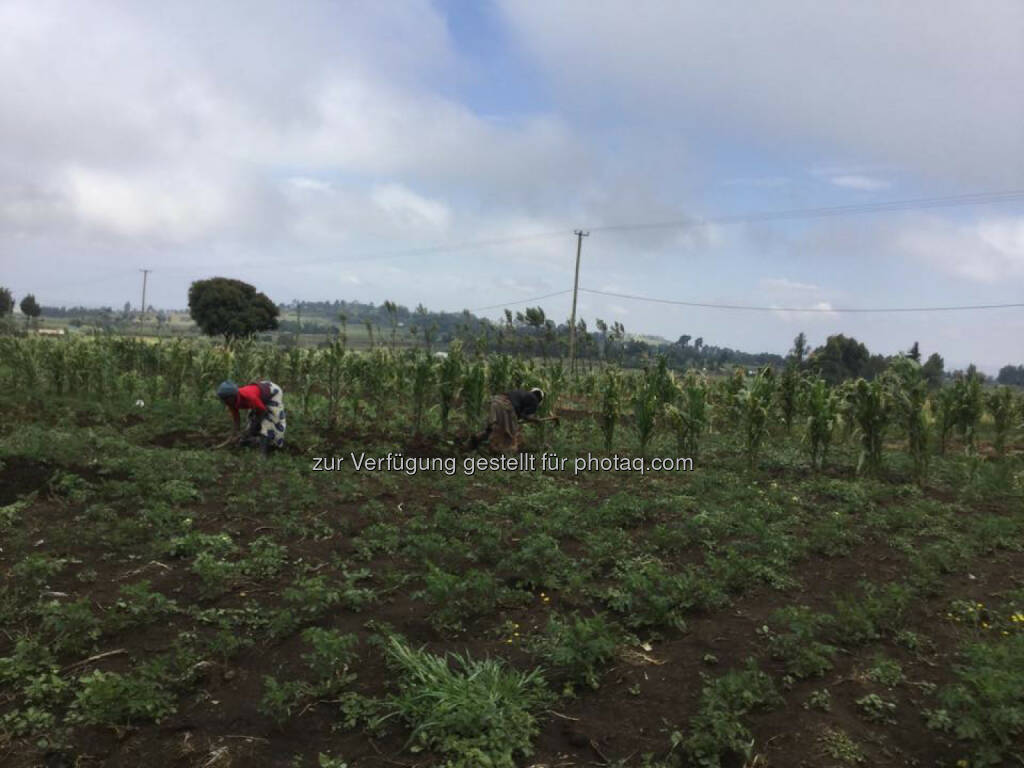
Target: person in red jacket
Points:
(265, 402)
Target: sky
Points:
(444, 152)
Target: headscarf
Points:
(227, 390)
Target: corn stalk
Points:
(755, 403)
(870, 408)
(909, 391)
(449, 381)
(688, 416)
(822, 405)
(474, 386)
(611, 395)
(1004, 411)
(422, 379)
(788, 393)
(967, 390)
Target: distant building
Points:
(50, 331)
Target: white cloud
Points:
(758, 182)
(175, 207)
(407, 210)
(987, 251)
(913, 84)
(785, 284)
(863, 183)
(820, 309)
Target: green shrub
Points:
(108, 698)
(717, 731)
(579, 647)
(804, 654)
(537, 562)
(138, 604)
(649, 595)
(70, 627)
(876, 709)
(331, 658)
(456, 598)
(985, 707)
(280, 700)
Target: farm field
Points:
(847, 590)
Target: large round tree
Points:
(6, 301)
(230, 308)
(30, 309)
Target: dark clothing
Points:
(525, 403)
(502, 426)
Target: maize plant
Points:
(356, 375)
(499, 373)
(664, 384)
(179, 363)
(822, 405)
(130, 384)
(212, 365)
(57, 365)
(946, 415)
(553, 384)
(789, 390)
(611, 394)
(646, 405)
(474, 386)
(331, 370)
(1003, 409)
(755, 404)
(968, 406)
(422, 379)
(449, 380)
(870, 409)
(688, 417)
(155, 386)
(26, 363)
(728, 396)
(909, 390)
(243, 360)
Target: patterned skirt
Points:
(504, 425)
(270, 423)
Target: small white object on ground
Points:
(140, 404)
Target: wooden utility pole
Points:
(580, 234)
(145, 274)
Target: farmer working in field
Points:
(507, 411)
(265, 402)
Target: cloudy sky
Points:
(443, 153)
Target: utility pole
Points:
(145, 274)
(580, 234)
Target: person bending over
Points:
(503, 431)
(265, 402)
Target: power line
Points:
(427, 250)
(522, 301)
(977, 198)
(749, 308)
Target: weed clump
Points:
(477, 713)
